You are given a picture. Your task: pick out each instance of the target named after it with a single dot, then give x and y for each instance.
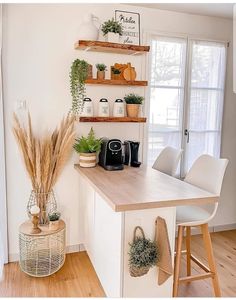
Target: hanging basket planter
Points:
(143, 254)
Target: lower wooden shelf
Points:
(112, 119)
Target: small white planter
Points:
(87, 160)
(112, 37)
(53, 225)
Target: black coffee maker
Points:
(131, 154)
(110, 156)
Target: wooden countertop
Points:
(143, 188)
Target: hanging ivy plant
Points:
(78, 75)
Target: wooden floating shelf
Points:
(112, 119)
(116, 82)
(99, 46)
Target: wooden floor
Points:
(77, 277)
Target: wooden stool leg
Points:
(188, 249)
(178, 261)
(210, 256)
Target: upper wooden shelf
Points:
(112, 119)
(116, 82)
(99, 46)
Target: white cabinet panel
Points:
(108, 247)
(147, 286)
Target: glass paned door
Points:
(205, 103)
(186, 97)
(166, 94)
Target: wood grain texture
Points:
(143, 188)
(26, 228)
(224, 246)
(99, 46)
(116, 82)
(113, 119)
(76, 278)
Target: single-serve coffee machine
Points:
(110, 156)
(131, 154)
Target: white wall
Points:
(38, 51)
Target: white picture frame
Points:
(131, 26)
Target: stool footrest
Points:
(196, 277)
(200, 264)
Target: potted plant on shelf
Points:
(112, 30)
(101, 68)
(78, 74)
(88, 147)
(133, 103)
(54, 220)
(115, 73)
(44, 159)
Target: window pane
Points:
(205, 110)
(202, 143)
(165, 120)
(168, 59)
(208, 65)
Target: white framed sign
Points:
(131, 26)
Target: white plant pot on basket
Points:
(112, 37)
(87, 160)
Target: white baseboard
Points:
(14, 257)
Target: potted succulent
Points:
(54, 220)
(112, 30)
(133, 103)
(115, 73)
(78, 74)
(101, 68)
(88, 147)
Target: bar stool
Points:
(206, 173)
(168, 160)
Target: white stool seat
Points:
(191, 215)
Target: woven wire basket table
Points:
(41, 254)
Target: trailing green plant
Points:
(55, 216)
(115, 71)
(78, 75)
(143, 253)
(133, 99)
(112, 26)
(88, 144)
(101, 67)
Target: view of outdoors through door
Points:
(186, 106)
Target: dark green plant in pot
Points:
(89, 144)
(55, 216)
(112, 26)
(78, 75)
(115, 71)
(133, 99)
(101, 67)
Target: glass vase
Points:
(46, 202)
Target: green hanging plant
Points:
(78, 75)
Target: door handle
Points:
(186, 133)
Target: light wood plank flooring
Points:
(77, 278)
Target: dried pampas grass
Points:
(45, 157)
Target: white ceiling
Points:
(222, 10)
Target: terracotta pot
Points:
(53, 225)
(132, 110)
(88, 160)
(101, 75)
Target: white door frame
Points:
(3, 203)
